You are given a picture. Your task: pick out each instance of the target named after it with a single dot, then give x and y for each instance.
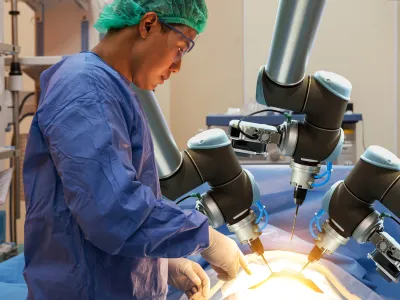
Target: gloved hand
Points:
(189, 277)
(224, 256)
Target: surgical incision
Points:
(290, 275)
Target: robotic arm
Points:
(322, 97)
(210, 155)
(349, 204)
(210, 159)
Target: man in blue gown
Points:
(96, 225)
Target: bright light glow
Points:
(277, 287)
(281, 288)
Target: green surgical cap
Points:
(123, 13)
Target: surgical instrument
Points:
(294, 221)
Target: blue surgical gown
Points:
(96, 226)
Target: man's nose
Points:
(176, 66)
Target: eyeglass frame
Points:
(192, 42)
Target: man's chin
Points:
(146, 86)
(150, 87)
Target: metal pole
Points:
(14, 27)
(168, 157)
(85, 34)
(39, 31)
(15, 87)
(294, 34)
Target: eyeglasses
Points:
(191, 43)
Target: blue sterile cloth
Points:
(12, 283)
(277, 196)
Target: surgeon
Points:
(96, 224)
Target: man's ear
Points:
(148, 24)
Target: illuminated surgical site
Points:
(286, 282)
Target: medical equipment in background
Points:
(33, 66)
(86, 14)
(14, 86)
(12, 110)
(349, 205)
(273, 155)
(45, 11)
(322, 97)
(210, 159)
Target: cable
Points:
(363, 135)
(10, 220)
(392, 257)
(25, 116)
(327, 172)
(183, 199)
(263, 227)
(12, 143)
(319, 176)
(386, 215)
(24, 100)
(259, 217)
(394, 219)
(322, 183)
(197, 195)
(255, 113)
(311, 229)
(315, 219)
(263, 213)
(329, 167)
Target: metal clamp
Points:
(7, 49)
(262, 133)
(386, 256)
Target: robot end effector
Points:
(376, 176)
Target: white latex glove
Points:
(189, 277)
(224, 256)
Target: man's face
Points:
(161, 52)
